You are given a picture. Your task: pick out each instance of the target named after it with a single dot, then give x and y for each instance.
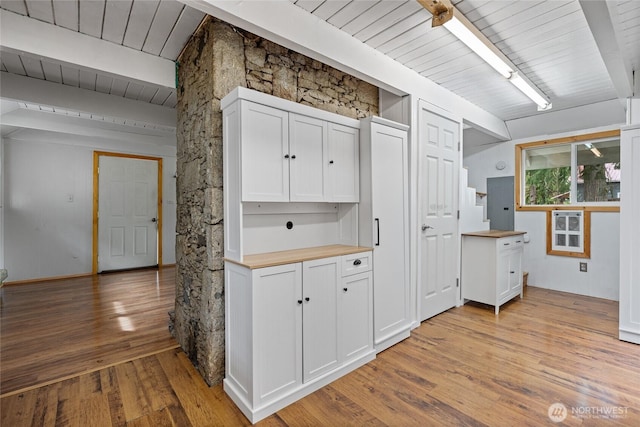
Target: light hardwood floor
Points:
(51, 330)
(463, 367)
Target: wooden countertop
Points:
(496, 234)
(271, 259)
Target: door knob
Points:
(426, 227)
(154, 219)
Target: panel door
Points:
(320, 317)
(438, 192)
(277, 327)
(390, 254)
(308, 149)
(264, 153)
(343, 163)
(355, 321)
(127, 213)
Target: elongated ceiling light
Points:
(445, 14)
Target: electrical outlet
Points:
(583, 267)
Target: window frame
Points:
(585, 233)
(585, 206)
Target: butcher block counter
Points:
(496, 234)
(271, 259)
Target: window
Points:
(581, 171)
(568, 233)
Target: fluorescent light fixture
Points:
(444, 13)
(467, 37)
(593, 149)
(523, 85)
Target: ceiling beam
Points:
(293, 27)
(27, 36)
(41, 92)
(602, 26)
(87, 128)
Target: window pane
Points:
(598, 173)
(574, 224)
(561, 223)
(561, 239)
(574, 240)
(547, 175)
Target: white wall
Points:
(46, 234)
(555, 272)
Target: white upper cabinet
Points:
(265, 152)
(288, 152)
(307, 151)
(343, 164)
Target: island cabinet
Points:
(295, 326)
(288, 152)
(492, 266)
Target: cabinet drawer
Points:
(356, 263)
(511, 242)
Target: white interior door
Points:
(127, 213)
(439, 170)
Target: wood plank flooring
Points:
(56, 329)
(463, 367)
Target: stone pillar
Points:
(211, 66)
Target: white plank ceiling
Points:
(550, 42)
(155, 27)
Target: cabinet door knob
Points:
(307, 299)
(512, 272)
(357, 262)
(299, 301)
(286, 156)
(345, 289)
(330, 162)
(293, 157)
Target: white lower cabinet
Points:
(319, 317)
(292, 329)
(492, 267)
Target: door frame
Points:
(96, 196)
(422, 103)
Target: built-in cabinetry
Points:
(286, 156)
(383, 224)
(298, 288)
(630, 234)
(492, 266)
(295, 326)
(287, 163)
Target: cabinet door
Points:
(277, 330)
(264, 145)
(355, 316)
(319, 317)
(502, 274)
(515, 270)
(343, 164)
(308, 147)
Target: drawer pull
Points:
(506, 244)
(512, 272)
(357, 262)
(518, 241)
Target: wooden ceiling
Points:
(552, 42)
